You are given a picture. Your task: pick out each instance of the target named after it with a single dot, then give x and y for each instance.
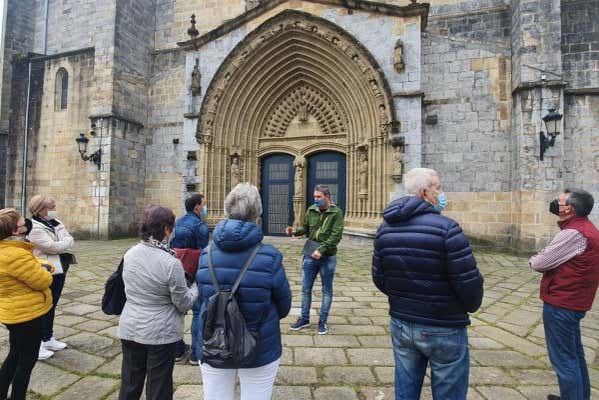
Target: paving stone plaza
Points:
(354, 361)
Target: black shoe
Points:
(185, 355)
(193, 360)
(553, 397)
(300, 324)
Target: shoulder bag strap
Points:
(211, 269)
(245, 268)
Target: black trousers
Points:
(48, 320)
(155, 361)
(24, 347)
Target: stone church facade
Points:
(289, 93)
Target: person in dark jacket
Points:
(264, 296)
(570, 267)
(422, 261)
(191, 232)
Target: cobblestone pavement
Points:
(354, 361)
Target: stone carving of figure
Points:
(251, 4)
(299, 164)
(363, 172)
(196, 79)
(235, 171)
(398, 63)
(398, 162)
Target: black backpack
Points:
(114, 297)
(226, 341)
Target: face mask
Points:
(554, 207)
(320, 202)
(52, 214)
(440, 206)
(204, 211)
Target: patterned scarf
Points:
(162, 245)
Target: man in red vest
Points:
(570, 267)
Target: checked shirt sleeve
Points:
(566, 245)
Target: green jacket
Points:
(330, 230)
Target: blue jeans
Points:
(326, 267)
(564, 345)
(446, 348)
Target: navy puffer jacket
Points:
(424, 263)
(264, 290)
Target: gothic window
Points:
(62, 90)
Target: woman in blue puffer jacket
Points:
(263, 296)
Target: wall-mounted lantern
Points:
(95, 157)
(552, 124)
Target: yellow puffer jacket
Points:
(24, 284)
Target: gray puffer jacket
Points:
(157, 296)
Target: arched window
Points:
(62, 90)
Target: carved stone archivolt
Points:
(301, 71)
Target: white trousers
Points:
(255, 383)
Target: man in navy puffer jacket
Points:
(264, 296)
(422, 261)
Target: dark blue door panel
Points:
(327, 168)
(277, 193)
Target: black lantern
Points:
(95, 157)
(552, 124)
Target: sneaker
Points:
(44, 353)
(193, 360)
(54, 345)
(300, 324)
(185, 355)
(322, 328)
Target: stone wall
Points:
(580, 43)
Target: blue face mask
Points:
(204, 211)
(440, 206)
(320, 203)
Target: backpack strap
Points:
(245, 268)
(211, 269)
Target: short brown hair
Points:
(9, 220)
(153, 221)
(38, 203)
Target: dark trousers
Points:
(24, 341)
(48, 319)
(155, 361)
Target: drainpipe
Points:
(25, 143)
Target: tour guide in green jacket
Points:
(323, 223)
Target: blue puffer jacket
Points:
(264, 290)
(190, 233)
(424, 263)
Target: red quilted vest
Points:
(573, 284)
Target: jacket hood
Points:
(407, 207)
(234, 235)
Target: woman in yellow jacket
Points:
(25, 298)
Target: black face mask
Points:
(554, 207)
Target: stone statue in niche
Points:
(363, 171)
(398, 153)
(235, 171)
(398, 63)
(249, 4)
(196, 79)
(299, 165)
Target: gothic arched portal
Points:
(299, 85)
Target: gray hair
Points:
(324, 189)
(244, 203)
(419, 178)
(581, 200)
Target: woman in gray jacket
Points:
(158, 297)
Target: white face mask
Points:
(52, 214)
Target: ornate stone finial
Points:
(192, 31)
(398, 63)
(196, 79)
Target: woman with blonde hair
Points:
(25, 298)
(53, 243)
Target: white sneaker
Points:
(54, 344)
(44, 353)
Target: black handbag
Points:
(114, 297)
